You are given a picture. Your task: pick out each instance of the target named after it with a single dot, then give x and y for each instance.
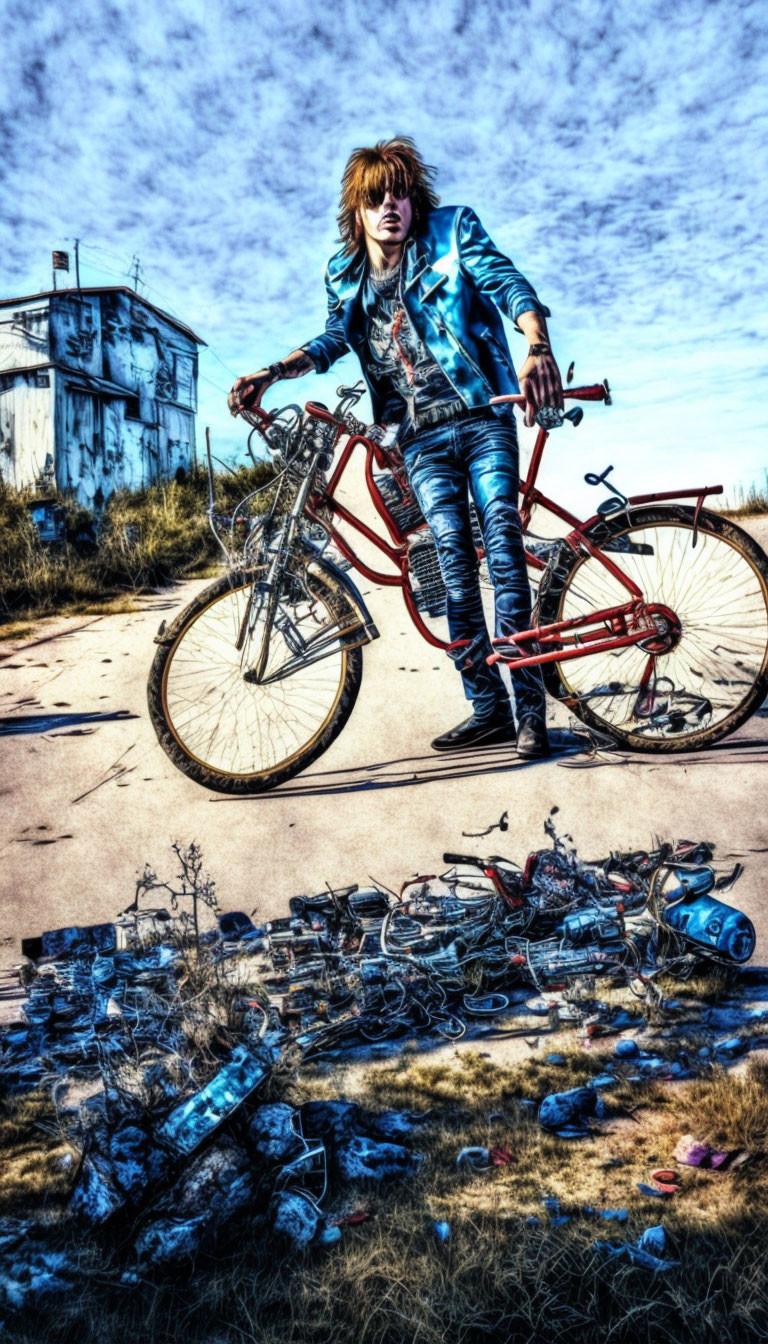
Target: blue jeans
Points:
(478, 453)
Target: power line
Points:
(203, 379)
(221, 361)
(120, 275)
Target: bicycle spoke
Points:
(241, 728)
(718, 596)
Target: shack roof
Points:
(106, 289)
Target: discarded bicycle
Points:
(650, 624)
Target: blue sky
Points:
(616, 151)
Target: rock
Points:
(294, 1218)
(566, 1113)
(731, 1048)
(96, 1196)
(35, 1275)
(271, 1135)
(391, 1124)
(30, 1267)
(363, 1159)
(627, 1048)
(214, 1188)
(168, 1239)
(216, 1185)
(137, 1164)
(331, 1120)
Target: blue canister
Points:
(686, 908)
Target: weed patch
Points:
(146, 540)
(499, 1276)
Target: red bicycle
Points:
(650, 622)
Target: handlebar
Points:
(261, 419)
(595, 392)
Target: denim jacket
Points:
(455, 281)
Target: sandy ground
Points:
(88, 796)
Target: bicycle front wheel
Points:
(236, 735)
(714, 675)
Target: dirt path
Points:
(88, 797)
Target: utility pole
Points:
(77, 262)
(135, 263)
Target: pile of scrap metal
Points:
(358, 966)
(350, 967)
(171, 1184)
(160, 1084)
(159, 1089)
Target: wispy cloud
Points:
(616, 151)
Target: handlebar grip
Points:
(597, 392)
(464, 858)
(252, 415)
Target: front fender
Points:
(317, 563)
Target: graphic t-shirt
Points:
(396, 356)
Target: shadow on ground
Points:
(47, 723)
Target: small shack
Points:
(98, 391)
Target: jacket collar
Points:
(348, 273)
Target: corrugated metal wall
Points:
(26, 427)
(118, 410)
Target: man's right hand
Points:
(247, 391)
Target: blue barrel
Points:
(702, 919)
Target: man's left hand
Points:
(540, 384)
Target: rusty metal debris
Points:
(157, 1037)
(191, 1122)
(353, 967)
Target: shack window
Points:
(42, 380)
(132, 411)
(33, 322)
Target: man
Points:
(416, 292)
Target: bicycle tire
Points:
(725, 560)
(343, 685)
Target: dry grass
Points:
(147, 539)
(753, 505)
(497, 1278)
(33, 1174)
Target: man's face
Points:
(388, 220)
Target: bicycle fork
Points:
(265, 596)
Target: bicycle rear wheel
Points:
(716, 673)
(235, 735)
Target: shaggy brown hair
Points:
(393, 165)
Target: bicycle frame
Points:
(615, 627)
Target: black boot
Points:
(532, 740)
(474, 732)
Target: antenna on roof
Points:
(135, 271)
